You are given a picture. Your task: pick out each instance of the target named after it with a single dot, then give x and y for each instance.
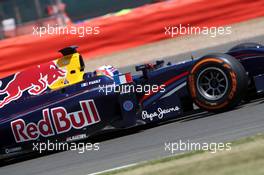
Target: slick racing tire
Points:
(217, 82)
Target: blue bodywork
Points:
(21, 120)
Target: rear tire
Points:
(217, 82)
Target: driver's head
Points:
(107, 70)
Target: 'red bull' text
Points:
(62, 120)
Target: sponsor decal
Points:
(159, 113)
(34, 81)
(84, 84)
(76, 137)
(13, 150)
(94, 82)
(128, 105)
(91, 83)
(61, 119)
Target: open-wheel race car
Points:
(59, 101)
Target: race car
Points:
(58, 101)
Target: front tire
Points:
(217, 82)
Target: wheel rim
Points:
(212, 83)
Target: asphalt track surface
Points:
(119, 149)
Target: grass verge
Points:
(245, 158)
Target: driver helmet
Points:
(107, 70)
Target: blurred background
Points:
(18, 16)
(122, 25)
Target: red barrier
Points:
(143, 25)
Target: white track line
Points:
(113, 169)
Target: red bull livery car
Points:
(58, 101)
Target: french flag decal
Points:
(123, 79)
